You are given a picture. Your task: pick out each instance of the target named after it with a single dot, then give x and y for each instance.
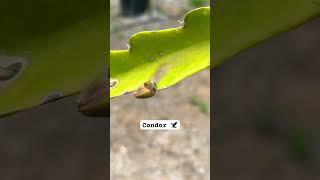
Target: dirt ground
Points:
(182, 154)
(54, 141)
(157, 155)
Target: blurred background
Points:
(169, 155)
(53, 141)
(266, 110)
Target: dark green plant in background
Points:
(197, 3)
(300, 145)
